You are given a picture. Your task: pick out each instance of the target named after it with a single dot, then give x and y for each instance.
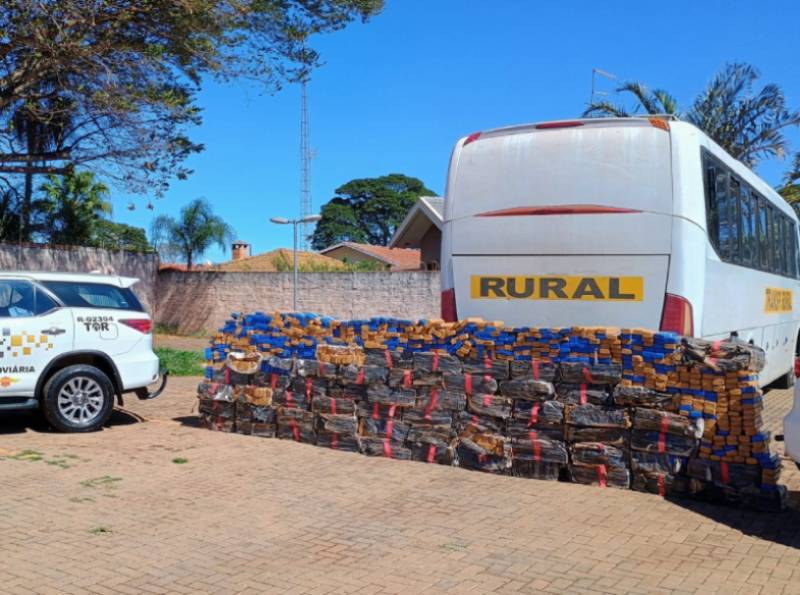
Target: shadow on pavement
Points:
(777, 527)
(191, 421)
(19, 422)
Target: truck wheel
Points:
(78, 399)
(785, 381)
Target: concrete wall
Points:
(79, 259)
(198, 301)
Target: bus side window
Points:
(763, 234)
(747, 225)
(775, 240)
(723, 214)
(733, 220)
(791, 248)
(712, 208)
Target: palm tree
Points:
(194, 232)
(791, 188)
(657, 101)
(746, 124)
(72, 205)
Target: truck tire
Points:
(78, 398)
(785, 381)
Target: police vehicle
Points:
(72, 343)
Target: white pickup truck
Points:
(71, 343)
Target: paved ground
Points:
(119, 512)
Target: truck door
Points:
(34, 330)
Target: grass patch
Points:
(101, 531)
(31, 456)
(180, 461)
(179, 362)
(106, 481)
(173, 329)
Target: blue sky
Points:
(395, 94)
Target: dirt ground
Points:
(153, 504)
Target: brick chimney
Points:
(240, 250)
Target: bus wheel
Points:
(785, 381)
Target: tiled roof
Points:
(399, 259)
(269, 261)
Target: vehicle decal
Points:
(778, 300)
(22, 344)
(95, 323)
(558, 287)
(6, 381)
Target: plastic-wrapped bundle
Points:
(535, 369)
(273, 380)
(209, 421)
(601, 475)
(494, 406)
(726, 356)
(348, 391)
(545, 417)
(430, 449)
(336, 423)
(580, 373)
(385, 395)
(496, 368)
(657, 463)
(598, 453)
(669, 423)
(534, 470)
(381, 447)
(436, 398)
(353, 374)
(466, 422)
(590, 423)
(422, 433)
(327, 404)
(291, 399)
(255, 395)
(484, 452)
(280, 365)
(217, 408)
(640, 396)
(401, 377)
(316, 368)
(214, 391)
(656, 482)
(470, 383)
(527, 388)
(436, 363)
(387, 358)
(310, 386)
(336, 441)
(539, 449)
(389, 428)
(296, 424)
(581, 394)
(428, 416)
(661, 442)
(727, 474)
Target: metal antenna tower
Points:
(305, 167)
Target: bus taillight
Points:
(677, 315)
(449, 313)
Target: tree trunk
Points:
(189, 260)
(25, 216)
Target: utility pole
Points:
(305, 166)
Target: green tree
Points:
(367, 210)
(791, 187)
(72, 206)
(748, 124)
(194, 232)
(112, 235)
(113, 83)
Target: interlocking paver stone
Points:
(250, 515)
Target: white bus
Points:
(627, 222)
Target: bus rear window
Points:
(94, 295)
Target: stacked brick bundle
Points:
(651, 411)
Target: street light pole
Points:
(295, 223)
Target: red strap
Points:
(407, 378)
(213, 387)
(388, 357)
(227, 375)
(309, 387)
(534, 414)
(432, 402)
(387, 449)
(587, 376)
(662, 489)
(482, 458)
(583, 394)
(333, 405)
(217, 424)
(360, 376)
(487, 400)
(662, 435)
(289, 400)
(431, 453)
(537, 446)
(716, 345)
(295, 430)
(487, 363)
(273, 381)
(602, 475)
(435, 361)
(375, 413)
(535, 368)
(389, 428)
(392, 409)
(725, 472)
(334, 440)
(468, 384)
